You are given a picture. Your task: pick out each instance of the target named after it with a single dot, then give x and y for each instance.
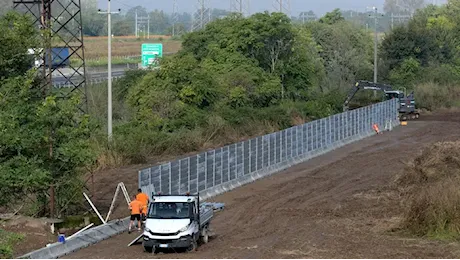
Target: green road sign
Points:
(150, 52)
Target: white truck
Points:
(176, 221)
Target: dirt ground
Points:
(339, 205)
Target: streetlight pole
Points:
(109, 68)
(375, 44)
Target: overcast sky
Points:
(320, 7)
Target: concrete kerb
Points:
(85, 239)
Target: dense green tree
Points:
(44, 139)
(346, 51)
(332, 17)
(17, 37)
(430, 39)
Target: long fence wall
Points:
(216, 171)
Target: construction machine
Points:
(407, 110)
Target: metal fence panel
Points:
(229, 164)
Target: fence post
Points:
(269, 146)
(180, 173)
(221, 165)
(170, 178)
(250, 151)
(205, 170)
(257, 154)
(197, 175)
(228, 162)
(161, 184)
(285, 146)
(292, 143)
(150, 177)
(188, 170)
(317, 135)
(214, 169)
(242, 156)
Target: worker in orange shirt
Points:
(144, 199)
(136, 208)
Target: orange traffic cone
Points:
(376, 128)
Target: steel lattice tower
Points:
(240, 6)
(175, 19)
(61, 26)
(202, 15)
(283, 6)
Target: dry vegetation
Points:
(430, 188)
(434, 96)
(96, 47)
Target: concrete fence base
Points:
(85, 239)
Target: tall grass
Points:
(432, 96)
(430, 188)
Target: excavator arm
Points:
(367, 85)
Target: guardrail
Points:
(213, 172)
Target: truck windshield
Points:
(170, 210)
(392, 95)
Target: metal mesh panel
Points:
(231, 163)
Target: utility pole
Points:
(148, 26)
(375, 45)
(174, 18)
(375, 16)
(136, 25)
(109, 68)
(392, 20)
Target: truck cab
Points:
(173, 221)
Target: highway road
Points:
(92, 77)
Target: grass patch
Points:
(7, 242)
(96, 47)
(431, 195)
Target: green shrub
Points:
(7, 242)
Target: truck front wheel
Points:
(205, 236)
(192, 247)
(148, 249)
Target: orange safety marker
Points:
(376, 128)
